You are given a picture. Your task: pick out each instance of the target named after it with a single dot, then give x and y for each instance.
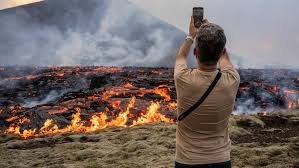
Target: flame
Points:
(116, 104)
(122, 118)
(164, 92)
(292, 98)
(60, 74)
(14, 130)
(98, 122)
(264, 113)
(128, 85)
(108, 69)
(152, 115)
(13, 118)
(127, 105)
(76, 124)
(123, 115)
(290, 105)
(49, 127)
(29, 133)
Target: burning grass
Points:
(153, 145)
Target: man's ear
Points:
(195, 52)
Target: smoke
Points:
(94, 32)
(52, 96)
(249, 106)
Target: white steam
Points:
(53, 95)
(120, 35)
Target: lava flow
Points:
(42, 101)
(100, 119)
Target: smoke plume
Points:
(93, 32)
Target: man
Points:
(202, 138)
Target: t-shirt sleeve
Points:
(181, 71)
(231, 76)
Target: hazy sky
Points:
(261, 32)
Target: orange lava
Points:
(292, 103)
(264, 113)
(100, 120)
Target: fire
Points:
(264, 113)
(13, 118)
(116, 104)
(100, 120)
(122, 119)
(60, 74)
(29, 133)
(49, 127)
(16, 129)
(152, 115)
(290, 105)
(128, 85)
(292, 98)
(164, 92)
(76, 124)
(125, 105)
(108, 69)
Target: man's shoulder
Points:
(231, 74)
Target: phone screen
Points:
(198, 13)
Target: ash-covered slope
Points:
(93, 32)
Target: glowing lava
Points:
(100, 120)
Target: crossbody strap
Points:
(203, 98)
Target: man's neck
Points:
(207, 68)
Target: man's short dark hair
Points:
(210, 42)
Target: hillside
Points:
(93, 32)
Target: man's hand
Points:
(192, 29)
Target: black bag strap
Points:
(203, 98)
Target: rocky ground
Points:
(270, 141)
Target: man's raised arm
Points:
(187, 44)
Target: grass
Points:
(150, 145)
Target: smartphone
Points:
(198, 13)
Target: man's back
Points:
(202, 137)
